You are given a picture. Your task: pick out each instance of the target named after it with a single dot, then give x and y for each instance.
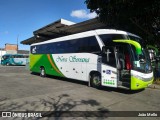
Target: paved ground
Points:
(20, 91)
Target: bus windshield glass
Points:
(141, 62)
(5, 57)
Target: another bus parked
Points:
(103, 57)
(14, 59)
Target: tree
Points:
(141, 17)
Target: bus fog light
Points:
(137, 84)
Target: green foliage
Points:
(141, 17)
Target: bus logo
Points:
(34, 50)
(108, 71)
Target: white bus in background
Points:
(103, 57)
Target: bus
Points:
(102, 57)
(14, 59)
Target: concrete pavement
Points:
(22, 91)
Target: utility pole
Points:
(1, 54)
(17, 41)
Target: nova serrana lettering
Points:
(71, 59)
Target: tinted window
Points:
(72, 46)
(83, 44)
(87, 44)
(93, 45)
(108, 38)
(5, 57)
(109, 57)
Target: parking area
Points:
(20, 91)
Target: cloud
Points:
(83, 14)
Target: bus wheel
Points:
(7, 64)
(95, 80)
(43, 73)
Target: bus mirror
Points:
(141, 58)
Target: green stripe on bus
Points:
(36, 61)
(52, 62)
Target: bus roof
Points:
(12, 54)
(114, 31)
(87, 34)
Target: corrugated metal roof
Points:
(61, 28)
(22, 52)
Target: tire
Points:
(42, 73)
(7, 64)
(95, 80)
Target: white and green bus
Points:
(102, 57)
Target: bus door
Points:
(123, 60)
(109, 67)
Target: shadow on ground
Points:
(108, 89)
(57, 107)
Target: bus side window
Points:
(109, 57)
(50, 48)
(82, 45)
(88, 45)
(71, 46)
(93, 46)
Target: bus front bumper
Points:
(137, 84)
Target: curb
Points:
(154, 86)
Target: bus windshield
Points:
(141, 62)
(5, 57)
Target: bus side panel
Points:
(18, 61)
(3, 62)
(34, 62)
(70, 65)
(45, 60)
(94, 64)
(77, 65)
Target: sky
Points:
(19, 18)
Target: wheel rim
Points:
(96, 81)
(42, 72)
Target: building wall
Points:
(11, 48)
(2, 52)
